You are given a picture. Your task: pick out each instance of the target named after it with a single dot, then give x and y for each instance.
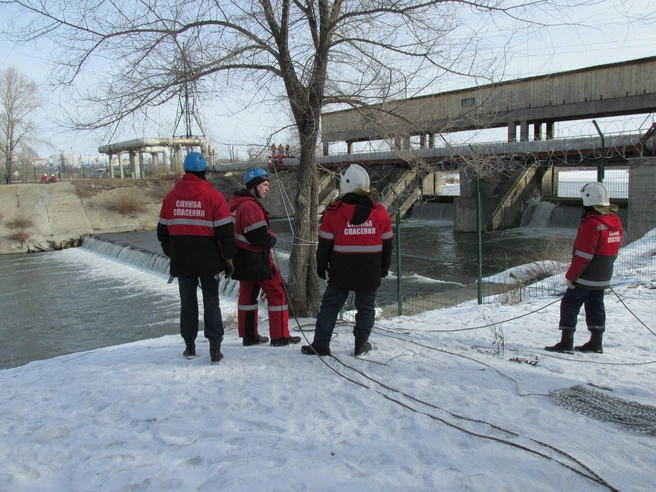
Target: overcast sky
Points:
(609, 39)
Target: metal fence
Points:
(532, 259)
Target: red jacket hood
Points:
(611, 221)
(240, 197)
(190, 186)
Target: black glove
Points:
(321, 271)
(384, 274)
(229, 270)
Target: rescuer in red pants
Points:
(254, 267)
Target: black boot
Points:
(592, 345)
(190, 350)
(362, 346)
(565, 345)
(315, 350)
(215, 351)
(256, 340)
(280, 342)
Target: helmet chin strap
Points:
(253, 191)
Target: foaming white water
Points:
(144, 260)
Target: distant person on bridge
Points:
(254, 266)
(196, 232)
(355, 252)
(596, 247)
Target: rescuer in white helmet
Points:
(354, 253)
(595, 249)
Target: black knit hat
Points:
(255, 182)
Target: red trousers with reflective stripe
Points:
(277, 302)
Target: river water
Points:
(115, 290)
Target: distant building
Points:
(64, 160)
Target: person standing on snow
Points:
(254, 266)
(596, 247)
(195, 231)
(355, 250)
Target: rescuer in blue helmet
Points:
(254, 266)
(195, 231)
(253, 178)
(195, 163)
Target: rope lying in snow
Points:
(591, 475)
(632, 313)
(629, 415)
(565, 399)
(588, 473)
(491, 324)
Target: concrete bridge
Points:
(511, 172)
(616, 89)
(504, 197)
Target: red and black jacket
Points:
(254, 239)
(195, 228)
(595, 249)
(355, 243)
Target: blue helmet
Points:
(195, 162)
(254, 174)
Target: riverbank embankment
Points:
(43, 217)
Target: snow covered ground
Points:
(456, 399)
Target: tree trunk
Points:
(303, 281)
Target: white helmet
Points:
(355, 177)
(594, 194)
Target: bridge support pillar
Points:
(549, 185)
(134, 165)
(154, 162)
(503, 199)
(537, 131)
(432, 184)
(523, 131)
(111, 166)
(512, 131)
(176, 165)
(121, 172)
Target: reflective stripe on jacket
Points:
(195, 228)
(355, 243)
(254, 239)
(595, 249)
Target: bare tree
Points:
(19, 98)
(307, 53)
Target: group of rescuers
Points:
(204, 235)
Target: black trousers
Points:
(189, 308)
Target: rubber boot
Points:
(215, 351)
(592, 345)
(362, 346)
(190, 350)
(565, 345)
